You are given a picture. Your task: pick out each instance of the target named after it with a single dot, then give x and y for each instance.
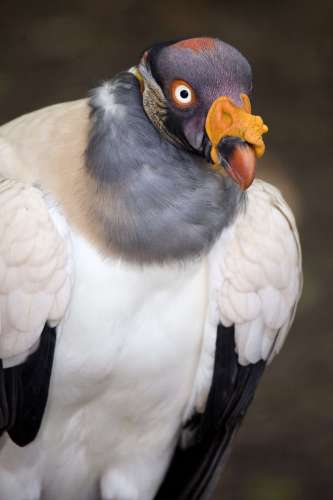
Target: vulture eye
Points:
(182, 94)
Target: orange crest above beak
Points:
(224, 119)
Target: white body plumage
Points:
(123, 371)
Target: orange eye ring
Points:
(182, 94)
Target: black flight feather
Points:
(193, 472)
(24, 391)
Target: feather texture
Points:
(35, 268)
(258, 274)
(244, 288)
(254, 285)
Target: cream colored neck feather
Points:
(46, 148)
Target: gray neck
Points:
(156, 201)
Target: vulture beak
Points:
(236, 138)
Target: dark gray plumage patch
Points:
(157, 202)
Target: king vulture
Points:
(146, 281)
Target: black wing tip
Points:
(24, 391)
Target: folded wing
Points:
(260, 274)
(255, 284)
(35, 286)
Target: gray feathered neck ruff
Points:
(156, 201)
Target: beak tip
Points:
(242, 166)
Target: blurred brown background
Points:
(55, 51)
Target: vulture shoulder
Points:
(255, 282)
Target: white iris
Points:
(183, 94)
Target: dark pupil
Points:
(184, 94)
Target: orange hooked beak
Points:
(226, 120)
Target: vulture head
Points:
(196, 92)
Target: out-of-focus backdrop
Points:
(53, 51)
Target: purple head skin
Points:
(212, 68)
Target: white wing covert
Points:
(255, 281)
(35, 267)
(258, 273)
